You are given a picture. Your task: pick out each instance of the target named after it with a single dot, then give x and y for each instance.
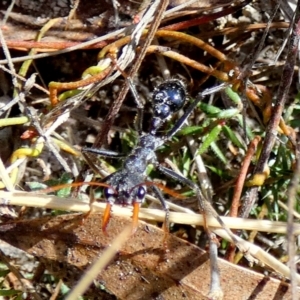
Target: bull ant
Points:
(128, 185)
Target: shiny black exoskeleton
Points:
(127, 185)
(168, 98)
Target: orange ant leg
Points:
(106, 217)
(135, 216)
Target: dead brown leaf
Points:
(93, 19)
(142, 269)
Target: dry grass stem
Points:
(73, 204)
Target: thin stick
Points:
(292, 192)
(249, 250)
(161, 7)
(271, 130)
(73, 204)
(5, 178)
(99, 264)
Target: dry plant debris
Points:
(141, 269)
(65, 71)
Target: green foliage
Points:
(10, 293)
(230, 134)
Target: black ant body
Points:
(127, 185)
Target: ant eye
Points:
(141, 193)
(109, 194)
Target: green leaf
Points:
(35, 186)
(217, 171)
(19, 297)
(233, 96)
(232, 137)
(189, 130)
(227, 113)
(9, 292)
(64, 179)
(219, 153)
(64, 289)
(186, 163)
(209, 109)
(295, 123)
(3, 273)
(68, 94)
(210, 138)
(249, 133)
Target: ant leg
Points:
(91, 210)
(140, 107)
(204, 204)
(206, 207)
(190, 109)
(189, 183)
(103, 152)
(106, 153)
(165, 206)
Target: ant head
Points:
(125, 197)
(168, 98)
